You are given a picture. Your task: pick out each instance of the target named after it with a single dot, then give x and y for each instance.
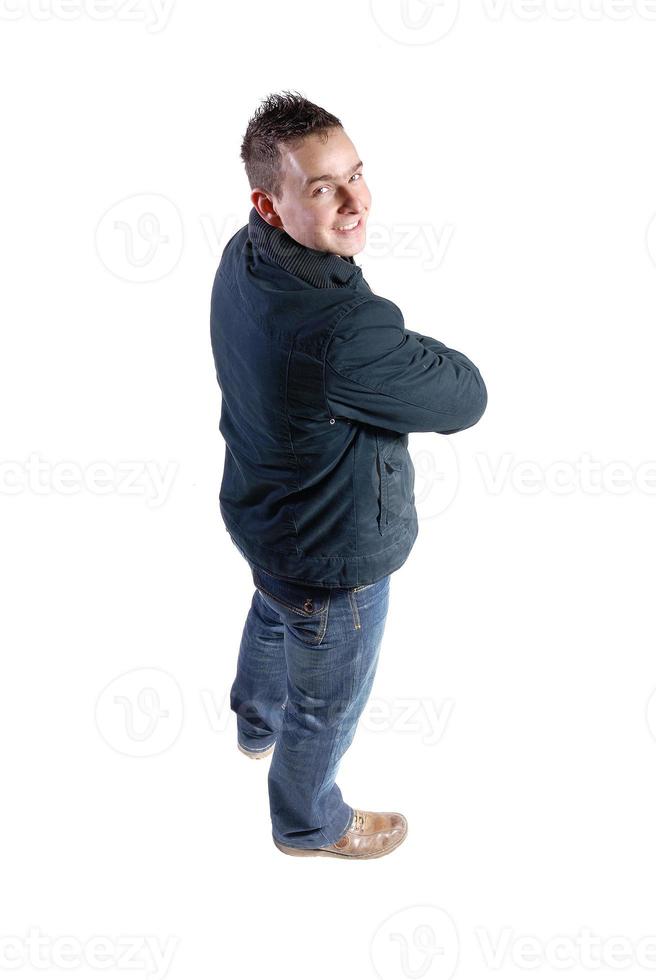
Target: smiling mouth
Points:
(349, 228)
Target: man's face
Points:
(314, 212)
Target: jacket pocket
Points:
(395, 478)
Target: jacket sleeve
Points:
(379, 373)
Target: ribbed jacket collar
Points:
(321, 269)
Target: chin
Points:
(349, 247)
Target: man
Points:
(321, 384)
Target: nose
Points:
(352, 203)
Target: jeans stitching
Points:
(354, 608)
(288, 605)
(323, 620)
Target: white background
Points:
(510, 719)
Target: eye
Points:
(325, 186)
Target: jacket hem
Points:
(330, 571)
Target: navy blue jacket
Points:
(320, 385)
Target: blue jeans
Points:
(306, 665)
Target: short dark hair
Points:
(283, 117)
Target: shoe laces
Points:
(357, 823)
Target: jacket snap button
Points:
(332, 421)
(307, 605)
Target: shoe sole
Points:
(322, 852)
(257, 755)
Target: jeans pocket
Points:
(303, 608)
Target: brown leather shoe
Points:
(370, 835)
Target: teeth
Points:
(347, 227)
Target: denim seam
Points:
(329, 759)
(354, 609)
(335, 742)
(288, 605)
(323, 619)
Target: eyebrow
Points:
(313, 180)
